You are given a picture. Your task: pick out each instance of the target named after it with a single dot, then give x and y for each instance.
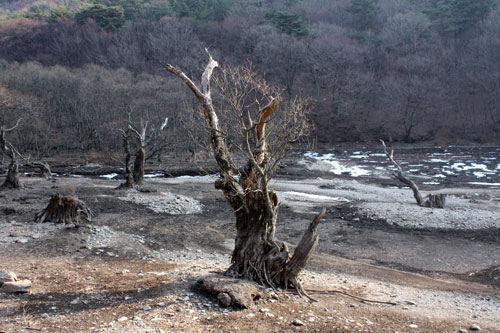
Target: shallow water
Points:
(434, 166)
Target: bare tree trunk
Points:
(129, 180)
(64, 210)
(432, 200)
(140, 160)
(12, 179)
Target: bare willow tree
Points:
(432, 200)
(12, 179)
(259, 128)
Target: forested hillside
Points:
(404, 70)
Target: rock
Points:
(412, 326)
(22, 240)
(474, 327)
(44, 315)
(6, 276)
(242, 293)
(298, 322)
(462, 331)
(122, 319)
(146, 308)
(264, 310)
(16, 286)
(224, 299)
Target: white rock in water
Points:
(6, 276)
(16, 286)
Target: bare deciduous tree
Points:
(252, 107)
(432, 200)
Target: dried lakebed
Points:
(375, 242)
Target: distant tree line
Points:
(393, 69)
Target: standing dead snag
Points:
(12, 179)
(64, 210)
(135, 176)
(432, 200)
(257, 255)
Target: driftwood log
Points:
(257, 255)
(64, 209)
(431, 201)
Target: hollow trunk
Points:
(12, 179)
(139, 162)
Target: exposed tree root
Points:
(362, 299)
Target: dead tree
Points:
(257, 255)
(135, 176)
(64, 209)
(44, 169)
(431, 201)
(12, 179)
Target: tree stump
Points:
(65, 210)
